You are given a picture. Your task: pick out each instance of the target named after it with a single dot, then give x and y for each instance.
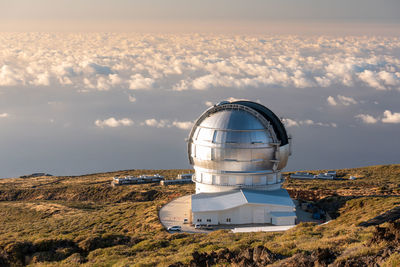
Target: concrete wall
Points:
(270, 208)
(204, 216)
(284, 220)
(232, 214)
(246, 214)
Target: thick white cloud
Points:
(233, 99)
(42, 79)
(230, 99)
(291, 123)
(370, 78)
(101, 61)
(183, 125)
(102, 84)
(307, 122)
(207, 81)
(8, 77)
(389, 117)
(209, 103)
(389, 78)
(182, 85)
(131, 98)
(323, 81)
(365, 118)
(346, 100)
(113, 122)
(137, 81)
(341, 100)
(331, 101)
(156, 123)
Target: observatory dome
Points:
(239, 144)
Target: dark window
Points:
(199, 220)
(208, 220)
(214, 140)
(219, 137)
(228, 219)
(232, 137)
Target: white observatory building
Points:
(238, 150)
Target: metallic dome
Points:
(238, 144)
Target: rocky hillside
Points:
(82, 220)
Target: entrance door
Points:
(258, 215)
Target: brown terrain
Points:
(82, 220)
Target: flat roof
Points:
(227, 200)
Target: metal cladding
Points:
(238, 145)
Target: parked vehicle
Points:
(175, 228)
(319, 214)
(316, 215)
(208, 227)
(197, 226)
(310, 207)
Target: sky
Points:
(356, 16)
(75, 99)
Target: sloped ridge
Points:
(389, 216)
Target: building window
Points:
(198, 220)
(259, 137)
(214, 140)
(196, 133)
(230, 154)
(228, 219)
(205, 134)
(208, 220)
(219, 136)
(203, 152)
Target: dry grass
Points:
(372, 180)
(66, 221)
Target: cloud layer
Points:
(101, 61)
(113, 122)
(183, 125)
(365, 118)
(387, 117)
(341, 100)
(291, 123)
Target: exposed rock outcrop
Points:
(258, 256)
